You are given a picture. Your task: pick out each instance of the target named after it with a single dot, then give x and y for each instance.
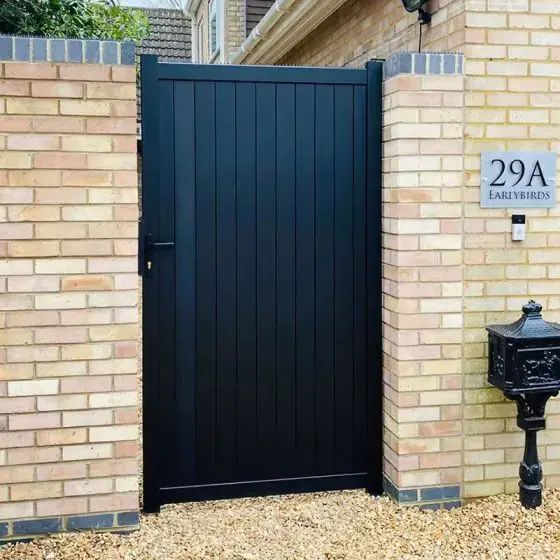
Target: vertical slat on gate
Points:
(343, 277)
(246, 281)
(205, 126)
(360, 300)
(164, 268)
(305, 276)
(185, 282)
(226, 256)
(266, 277)
(324, 285)
(285, 272)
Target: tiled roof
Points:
(170, 36)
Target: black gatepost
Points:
(524, 362)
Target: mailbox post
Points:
(524, 362)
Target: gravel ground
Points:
(328, 526)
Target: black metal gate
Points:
(261, 242)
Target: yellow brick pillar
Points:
(423, 277)
(69, 301)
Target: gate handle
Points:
(158, 246)
(144, 258)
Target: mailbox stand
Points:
(530, 417)
(524, 362)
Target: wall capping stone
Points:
(86, 51)
(423, 64)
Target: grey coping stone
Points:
(6, 48)
(74, 50)
(22, 50)
(92, 52)
(391, 67)
(110, 52)
(434, 62)
(423, 64)
(449, 63)
(128, 51)
(101, 521)
(58, 50)
(37, 526)
(420, 61)
(405, 63)
(39, 50)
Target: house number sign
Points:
(518, 180)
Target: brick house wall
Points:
(364, 29)
(234, 26)
(69, 287)
(512, 102)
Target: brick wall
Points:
(512, 103)
(234, 26)
(364, 29)
(423, 274)
(69, 289)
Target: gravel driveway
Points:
(329, 526)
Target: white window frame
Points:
(214, 29)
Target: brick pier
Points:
(68, 286)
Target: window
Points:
(213, 28)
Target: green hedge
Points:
(80, 19)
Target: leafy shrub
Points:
(80, 19)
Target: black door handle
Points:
(145, 260)
(158, 245)
(161, 246)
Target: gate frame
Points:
(153, 493)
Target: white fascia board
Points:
(286, 24)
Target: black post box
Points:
(524, 362)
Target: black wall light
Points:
(416, 6)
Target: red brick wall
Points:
(68, 289)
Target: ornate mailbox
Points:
(524, 362)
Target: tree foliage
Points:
(80, 19)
